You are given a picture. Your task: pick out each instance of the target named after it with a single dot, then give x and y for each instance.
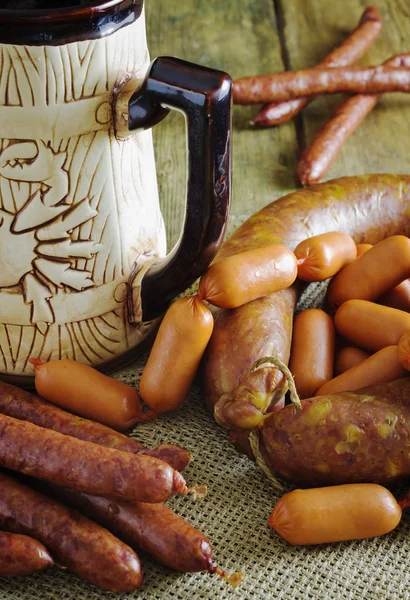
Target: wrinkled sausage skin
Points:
(21, 555)
(369, 208)
(20, 404)
(75, 542)
(84, 466)
(350, 437)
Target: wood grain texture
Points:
(237, 37)
(311, 29)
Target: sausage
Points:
(21, 555)
(335, 514)
(370, 325)
(260, 328)
(246, 276)
(349, 51)
(317, 158)
(86, 392)
(350, 437)
(22, 405)
(154, 529)
(361, 278)
(328, 142)
(349, 357)
(286, 85)
(176, 354)
(380, 367)
(398, 297)
(312, 355)
(362, 248)
(403, 350)
(322, 256)
(369, 208)
(75, 542)
(84, 466)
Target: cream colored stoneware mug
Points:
(83, 271)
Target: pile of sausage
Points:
(352, 435)
(285, 94)
(80, 495)
(366, 316)
(349, 431)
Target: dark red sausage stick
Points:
(84, 466)
(309, 82)
(349, 51)
(75, 542)
(318, 157)
(154, 529)
(21, 555)
(151, 528)
(20, 404)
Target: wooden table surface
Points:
(245, 37)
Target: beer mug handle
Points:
(204, 96)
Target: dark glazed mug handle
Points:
(204, 96)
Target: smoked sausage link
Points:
(89, 393)
(84, 466)
(335, 514)
(381, 367)
(176, 354)
(75, 542)
(370, 325)
(322, 256)
(313, 347)
(349, 357)
(21, 555)
(375, 272)
(239, 279)
(20, 404)
(398, 297)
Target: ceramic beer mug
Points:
(83, 266)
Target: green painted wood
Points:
(237, 37)
(311, 29)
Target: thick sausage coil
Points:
(20, 404)
(369, 208)
(75, 542)
(350, 437)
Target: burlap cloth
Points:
(233, 515)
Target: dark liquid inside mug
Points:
(45, 4)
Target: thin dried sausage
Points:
(84, 466)
(22, 555)
(75, 542)
(350, 50)
(21, 404)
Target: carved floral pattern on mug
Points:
(44, 226)
(78, 208)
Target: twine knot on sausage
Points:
(254, 434)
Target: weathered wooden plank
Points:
(238, 37)
(312, 28)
